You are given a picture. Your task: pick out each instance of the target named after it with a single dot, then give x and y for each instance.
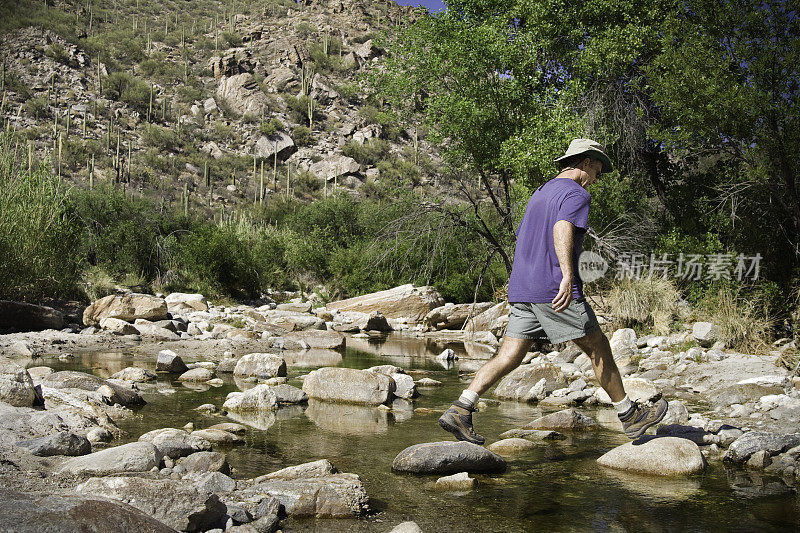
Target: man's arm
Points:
(563, 237)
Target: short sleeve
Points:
(575, 208)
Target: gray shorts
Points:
(538, 321)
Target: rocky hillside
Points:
(190, 107)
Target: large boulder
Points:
(265, 146)
(23, 513)
(61, 443)
(16, 385)
(175, 503)
(335, 166)
(259, 398)
(330, 496)
(205, 462)
(349, 385)
(485, 320)
(175, 443)
(772, 443)
(260, 365)
(131, 457)
(405, 301)
(71, 379)
(128, 307)
(196, 375)
(523, 383)
(453, 316)
(242, 94)
(181, 302)
(661, 456)
(348, 419)
(320, 468)
(567, 419)
(20, 316)
(120, 327)
(355, 321)
(623, 343)
(316, 339)
(448, 458)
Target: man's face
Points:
(593, 168)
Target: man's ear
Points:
(586, 163)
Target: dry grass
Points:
(745, 324)
(645, 302)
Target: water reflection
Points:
(314, 357)
(663, 489)
(257, 419)
(348, 419)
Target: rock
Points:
(705, 333)
(287, 394)
(23, 513)
(169, 361)
(317, 339)
(20, 316)
(661, 456)
(695, 434)
(759, 460)
(638, 389)
(623, 343)
(196, 375)
(405, 301)
(242, 94)
(299, 307)
(181, 302)
(260, 365)
(173, 502)
(215, 482)
(218, 436)
(212, 149)
(155, 332)
(128, 307)
(511, 446)
(61, 443)
(568, 419)
(205, 462)
(742, 448)
(453, 316)
(131, 457)
(320, 468)
(332, 167)
(448, 458)
(484, 321)
(175, 443)
(227, 366)
(447, 355)
(333, 496)
(206, 408)
(265, 148)
(69, 379)
(99, 435)
(16, 385)
(230, 427)
(406, 527)
(355, 321)
(677, 413)
(134, 374)
(348, 385)
(259, 398)
(120, 327)
(533, 434)
(456, 482)
(521, 383)
(428, 382)
(367, 50)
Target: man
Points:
(546, 294)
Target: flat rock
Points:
(773, 443)
(205, 462)
(456, 482)
(230, 427)
(511, 445)
(349, 385)
(448, 458)
(128, 307)
(405, 301)
(175, 503)
(260, 365)
(134, 374)
(662, 456)
(174, 443)
(333, 496)
(131, 457)
(196, 375)
(317, 338)
(320, 468)
(61, 443)
(453, 316)
(567, 419)
(70, 379)
(218, 436)
(533, 434)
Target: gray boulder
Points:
(742, 448)
(215, 482)
(259, 398)
(131, 457)
(205, 462)
(448, 458)
(335, 166)
(218, 436)
(128, 307)
(316, 338)
(175, 443)
(456, 482)
(533, 434)
(181, 302)
(521, 383)
(260, 365)
(320, 468)
(175, 503)
(333, 496)
(567, 419)
(134, 374)
(242, 94)
(61, 443)
(511, 446)
(453, 316)
(705, 333)
(405, 301)
(196, 375)
(349, 385)
(69, 379)
(265, 148)
(289, 394)
(661, 456)
(16, 385)
(169, 361)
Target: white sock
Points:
(623, 405)
(470, 397)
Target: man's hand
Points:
(564, 296)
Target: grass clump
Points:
(644, 302)
(744, 319)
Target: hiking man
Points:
(546, 294)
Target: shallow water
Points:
(556, 487)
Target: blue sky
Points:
(432, 5)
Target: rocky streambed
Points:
(319, 430)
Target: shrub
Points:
(165, 139)
(298, 109)
(124, 87)
(368, 153)
(57, 53)
(302, 136)
(232, 39)
(744, 320)
(369, 114)
(305, 29)
(37, 107)
(270, 126)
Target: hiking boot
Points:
(638, 418)
(458, 421)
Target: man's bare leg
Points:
(509, 356)
(597, 347)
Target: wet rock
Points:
(131, 457)
(175, 443)
(120, 392)
(218, 436)
(320, 468)
(406, 527)
(428, 382)
(661, 456)
(523, 383)
(348, 419)
(453, 316)
(568, 419)
(348, 385)
(205, 462)
(511, 445)
(259, 398)
(126, 307)
(135, 374)
(638, 389)
(206, 408)
(456, 482)
(333, 496)
(317, 339)
(405, 301)
(705, 333)
(181, 302)
(19, 316)
(99, 435)
(196, 375)
(448, 458)
(23, 513)
(230, 427)
(61, 443)
(120, 327)
(16, 385)
(169, 361)
(759, 460)
(742, 448)
(533, 434)
(173, 502)
(288, 394)
(404, 384)
(260, 365)
(215, 482)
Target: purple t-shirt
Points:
(536, 274)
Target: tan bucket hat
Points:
(591, 149)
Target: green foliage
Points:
(163, 138)
(232, 39)
(298, 109)
(270, 126)
(302, 136)
(305, 29)
(57, 53)
(368, 153)
(125, 87)
(37, 107)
